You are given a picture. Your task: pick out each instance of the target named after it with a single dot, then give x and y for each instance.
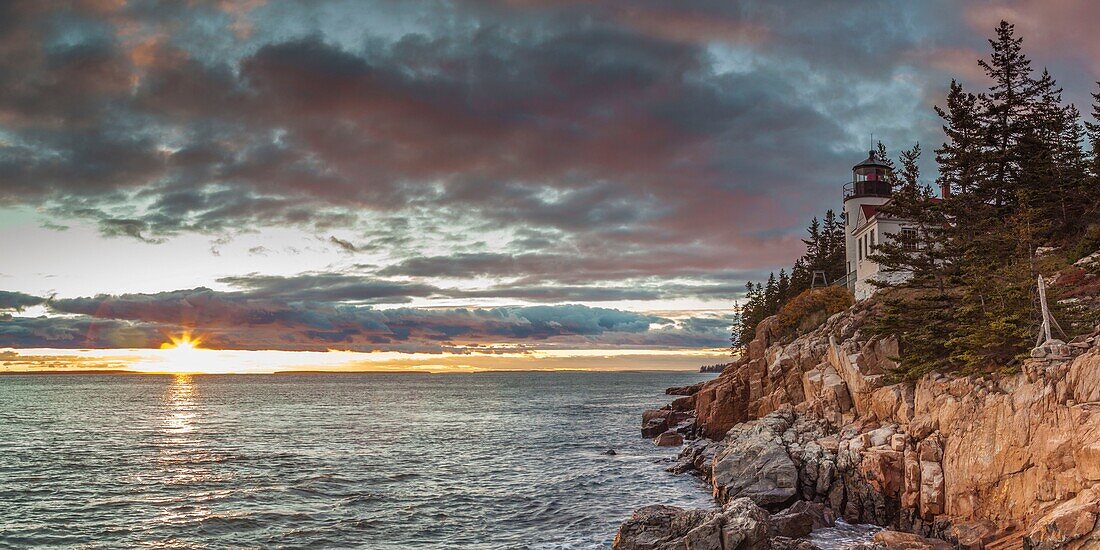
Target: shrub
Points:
(809, 309)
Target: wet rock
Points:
(683, 404)
(610, 452)
(697, 457)
(659, 527)
(801, 518)
(746, 525)
(896, 540)
(755, 463)
(740, 525)
(684, 390)
(655, 422)
(669, 439)
(785, 543)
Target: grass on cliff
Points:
(810, 309)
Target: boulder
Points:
(1084, 378)
(669, 439)
(746, 526)
(682, 403)
(835, 390)
(898, 442)
(655, 422)
(974, 535)
(659, 527)
(896, 540)
(740, 525)
(930, 450)
(884, 471)
(785, 543)
(931, 489)
(684, 390)
(910, 496)
(754, 463)
(801, 518)
(1071, 525)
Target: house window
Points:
(861, 249)
(909, 238)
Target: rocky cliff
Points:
(1003, 461)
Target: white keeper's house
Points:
(865, 226)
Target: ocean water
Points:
(494, 460)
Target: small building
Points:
(866, 226)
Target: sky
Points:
(473, 184)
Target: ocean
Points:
(489, 460)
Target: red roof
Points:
(870, 210)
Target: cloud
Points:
(18, 301)
(489, 151)
(346, 246)
(610, 130)
(129, 228)
(263, 317)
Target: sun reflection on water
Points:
(180, 406)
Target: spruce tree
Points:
(771, 295)
(1006, 110)
(784, 286)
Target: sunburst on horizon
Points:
(184, 342)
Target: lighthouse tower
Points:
(870, 188)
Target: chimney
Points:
(945, 189)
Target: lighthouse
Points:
(869, 189)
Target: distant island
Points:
(713, 368)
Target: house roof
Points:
(869, 210)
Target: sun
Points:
(183, 342)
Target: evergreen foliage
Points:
(1015, 179)
(824, 252)
(1017, 171)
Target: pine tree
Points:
(1093, 129)
(824, 252)
(1006, 110)
(960, 158)
(801, 277)
(921, 317)
(884, 157)
(831, 254)
(784, 286)
(771, 295)
(1090, 192)
(813, 244)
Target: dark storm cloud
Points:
(254, 319)
(602, 129)
(329, 287)
(345, 288)
(607, 265)
(626, 150)
(18, 301)
(344, 245)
